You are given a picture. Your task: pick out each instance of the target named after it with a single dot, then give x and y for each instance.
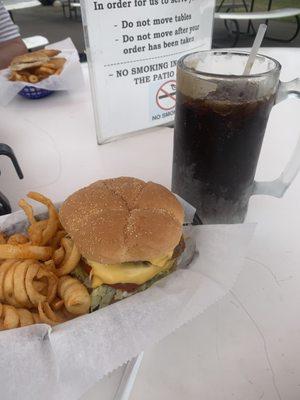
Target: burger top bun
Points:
(33, 59)
(123, 219)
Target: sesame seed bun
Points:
(123, 219)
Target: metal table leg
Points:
(220, 5)
(268, 9)
(250, 24)
(237, 33)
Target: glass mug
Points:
(220, 121)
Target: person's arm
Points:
(11, 44)
(10, 49)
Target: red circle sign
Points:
(166, 95)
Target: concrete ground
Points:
(276, 29)
(50, 22)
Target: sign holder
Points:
(132, 50)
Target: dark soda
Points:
(216, 148)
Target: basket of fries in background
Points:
(35, 67)
(40, 73)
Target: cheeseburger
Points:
(129, 233)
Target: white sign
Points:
(133, 47)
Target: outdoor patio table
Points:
(247, 346)
(12, 5)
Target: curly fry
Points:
(41, 232)
(35, 232)
(2, 238)
(71, 259)
(46, 70)
(28, 210)
(51, 314)
(55, 242)
(25, 251)
(34, 283)
(58, 71)
(66, 314)
(17, 238)
(36, 318)
(47, 315)
(3, 270)
(25, 316)
(8, 286)
(50, 266)
(53, 221)
(19, 284)
(49, 65)
(75, 295)
(33, 79)
(52, 283)
(40, 287)
(36, 272)
(34, 296)
(25, 283)
(57, 304)
(58, 256)
(9, 318)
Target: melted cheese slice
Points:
(128, 272)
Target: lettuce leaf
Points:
(82, 276)
(101, 297)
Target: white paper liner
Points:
(71, 77)
(65, 361)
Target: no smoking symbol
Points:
(166, 95)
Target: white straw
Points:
(256, 45)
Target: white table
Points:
(12, 5)
(248, 345)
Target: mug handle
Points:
(278, 187)
(4, 205)
(6, 150)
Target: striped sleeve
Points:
(8, 30)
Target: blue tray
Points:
(33, 93)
